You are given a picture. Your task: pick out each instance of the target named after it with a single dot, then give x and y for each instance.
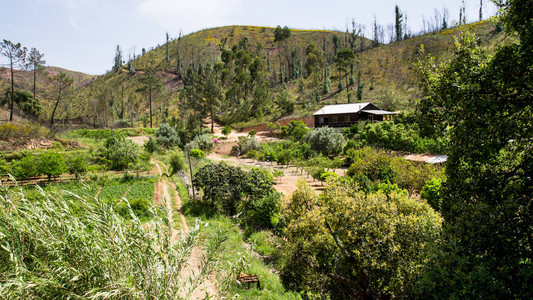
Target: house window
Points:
(347, 118)
(321, 120)
(335, 119)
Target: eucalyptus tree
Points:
(16, 54)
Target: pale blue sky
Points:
(82, 35)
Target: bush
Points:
(77, 164)
(431, 193)
(296, 130)
(379, 241)
(226, 186)
(119, 152)
(203, 142)
(19, 130)
(197, 153)
(246, 144)
(263, 213)
(378, 165)
(326, 140)
(226, 130)
(222, 185)
(51, 164)
(167, 137)
(176, 162)
(141, 208)
(252, 133)
(150, 145)
(27, 167)
(393, 136)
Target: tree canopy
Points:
(483, 103)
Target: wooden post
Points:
(190, 169)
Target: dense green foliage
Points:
(51, 164)
(483, 102)
(167, 137)
(393, 136)
(346, 244)
(203, 142)
(325, 140)
(232, 190)
(176, 162)
(120, 152)
(377, 165)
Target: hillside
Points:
(44, 85)
(386, 74)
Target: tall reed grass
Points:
(52, 249)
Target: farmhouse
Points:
(344, 115)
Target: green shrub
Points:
(326, 140)
(263, 213)
(203, 142)
(119, 152)
(431, 193)
(197, 153)
(378, 165)
(176, 162)
(167, 137)
(77, 164)
(226, 130)
(142, 208)
(252, 133)
(27, 167)
(381, 241)
(51, 164)
(150, 145)
(246, 144)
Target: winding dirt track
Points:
(208, 286)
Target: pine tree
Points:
(35, 62)
(16, 55)
(398, 24)
(118, 60)
(167, 57)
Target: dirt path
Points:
(285, 184)
(208, 285)
(139, 140)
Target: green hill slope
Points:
(386, 74)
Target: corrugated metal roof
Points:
(341, 108)
(428, 158)
(379, 112)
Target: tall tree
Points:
(118, 59)
(483, 103)
(151, 84)
(16, 54)
(179, 63)
(375, 36)
(398, 23)
(343, 61)
(480, 10)
(35, 62)
(62, 85)
(166, 46)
